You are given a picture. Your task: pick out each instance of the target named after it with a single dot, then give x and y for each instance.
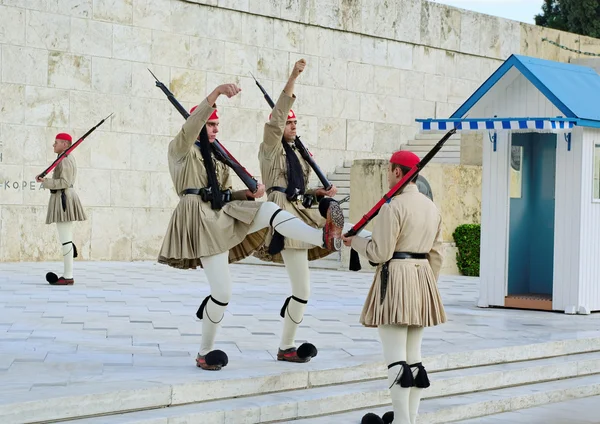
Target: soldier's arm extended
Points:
(190, 130)
(380, 247)
(274, 128)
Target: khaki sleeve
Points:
(240, 195)
(436, 254)
(380, 248)
(274, 128)
(190, 130)
(227, 185)
(67, 177)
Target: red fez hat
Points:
(291, 115)
(212, 117)
(63, 136)
(405, 158)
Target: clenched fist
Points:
(229, 90)
(298, 68)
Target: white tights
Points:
(216, 268)
(296, 264)
(65, 235)
(401, 343)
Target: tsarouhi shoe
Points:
(54, 280)
(212, 361)
(304, 353)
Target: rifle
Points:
(220, 152)
(306, 155)
(70, 149)
(399, 186)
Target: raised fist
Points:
(229, 90)
(298, 67)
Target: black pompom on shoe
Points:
(51, 278)
(371, 418)
(213, 360)
(307, 350)
(388, 417)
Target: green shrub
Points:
(467, 238)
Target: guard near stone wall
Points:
(406, 243)
(286, 175)
(213, 226)
(64, 207)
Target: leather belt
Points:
(408, 255)
(296, 198)
(385, 272)
(191, 191)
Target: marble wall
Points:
(373, 67)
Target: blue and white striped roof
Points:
(499, 124)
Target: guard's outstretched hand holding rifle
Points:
(69, 150)
(219, 151)
(354, 262)
(306, 155)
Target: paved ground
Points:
(129, 323)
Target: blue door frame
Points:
(531, 228)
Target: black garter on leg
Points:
(421, 380)
(277, 241)
(200, 312)
(74, 248)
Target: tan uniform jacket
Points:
(409, 223)
(63, 178)
(273, 168)
(197, 230)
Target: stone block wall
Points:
(373, 67)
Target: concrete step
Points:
(430, 142)
(341, 183)
(342, 170)
(328, 400)
(425, 149)
(338, 386)
(339, 177)
(481, 404)
(435, 136)
(588, 411)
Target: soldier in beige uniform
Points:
(286, 176)
(64, 207)
(407, 244)
(226, 226)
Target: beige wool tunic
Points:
(63, 178)
(195, 229)
(273, 168)
(410, 222)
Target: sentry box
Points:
(540, 212)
